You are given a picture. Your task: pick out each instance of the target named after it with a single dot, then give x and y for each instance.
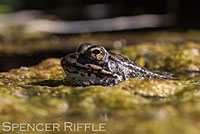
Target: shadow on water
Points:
(50, 83)
(8, 62)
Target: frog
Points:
(94, 65)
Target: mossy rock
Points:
(165, 56)
(39, 94)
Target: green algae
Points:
(166, 56)
(39, 93)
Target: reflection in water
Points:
(101, 25)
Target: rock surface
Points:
(39, 94)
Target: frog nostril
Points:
(96, 52)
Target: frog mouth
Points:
(83, 78)
(83, 72)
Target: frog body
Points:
(94, 65)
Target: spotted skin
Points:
(93, 65)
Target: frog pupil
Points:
(96, 52)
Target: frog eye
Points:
(96, 53)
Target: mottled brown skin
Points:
(93, 65)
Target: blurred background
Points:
(31, 31)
